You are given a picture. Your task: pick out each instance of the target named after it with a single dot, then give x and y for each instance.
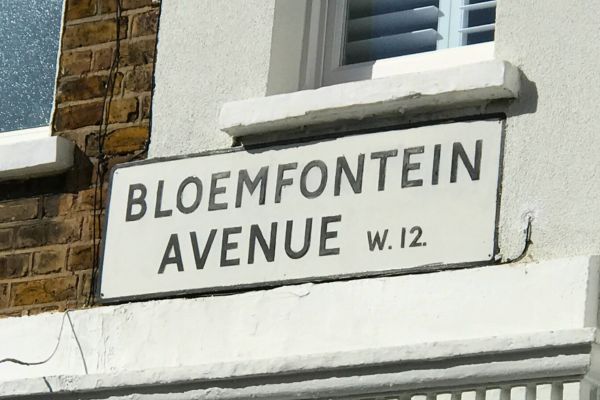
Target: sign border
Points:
(296, 142)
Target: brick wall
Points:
(47, 224)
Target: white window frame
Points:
(323, 46)
(34, 152)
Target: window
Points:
(357, 34)
(29, 41)
(30, 34)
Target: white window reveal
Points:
(29, 38)
(359, 33)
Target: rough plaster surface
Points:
(309, 319)
(209, 52)
(551, 162)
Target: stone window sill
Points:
(33, 153)
(428, 90)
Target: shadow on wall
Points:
(527, 101)
(78, 178)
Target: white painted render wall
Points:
(551, 161)
(209, 54)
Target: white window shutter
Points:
(379, 29)
(479, 17)
(464, 22)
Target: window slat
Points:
(392, 23)
(365, 8)
(390, 46)
(480, 28)
(479, 6)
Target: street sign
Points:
(363, 205)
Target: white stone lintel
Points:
(443, 88)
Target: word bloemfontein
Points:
(338, 173)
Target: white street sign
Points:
(362, 205)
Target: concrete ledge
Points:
(310, 329)
(444, 88)
(549, 355)
(34, 157)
